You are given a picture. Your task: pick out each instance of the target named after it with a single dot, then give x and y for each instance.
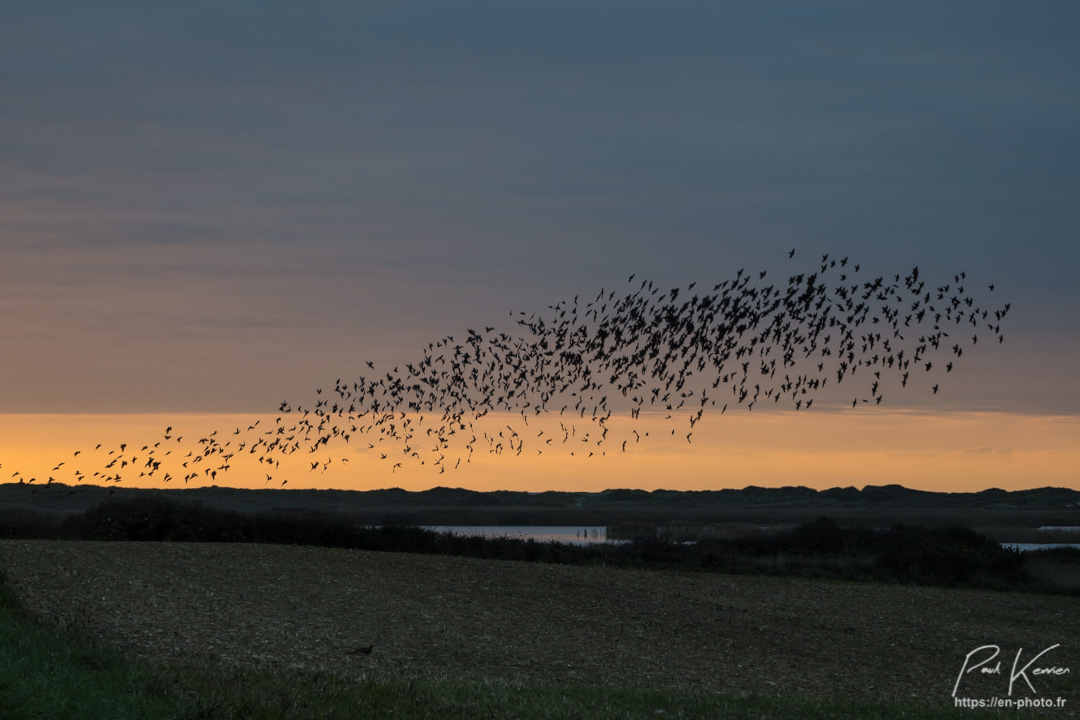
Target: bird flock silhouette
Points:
(675, 354)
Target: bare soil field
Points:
(447, 617)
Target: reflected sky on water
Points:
(576, 535)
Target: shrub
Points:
(947, 556)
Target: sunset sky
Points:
(209, 208)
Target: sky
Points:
(209, 208)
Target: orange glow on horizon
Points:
(951, 452)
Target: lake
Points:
(571, 534)
(597, 534)
(1025, 547)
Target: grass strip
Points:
(47, 673)
(285, 695)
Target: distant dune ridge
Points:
(441, 504)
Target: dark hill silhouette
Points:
(458, 506)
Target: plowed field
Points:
(281, 606)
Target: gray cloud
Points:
(368, 175)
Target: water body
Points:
(574, 535)
(1025, 547)
(597, 534)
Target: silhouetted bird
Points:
(679, 351)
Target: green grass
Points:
(278, 697)
(45, 673)
(49, 674)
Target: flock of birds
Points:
(675, 353)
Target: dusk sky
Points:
(209, 208)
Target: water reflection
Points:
(597, 534)
(1025, 547)
(571, 534)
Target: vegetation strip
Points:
(948, 556)
(45, 673)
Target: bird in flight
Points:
(749, 341)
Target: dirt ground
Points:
(278, 606)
